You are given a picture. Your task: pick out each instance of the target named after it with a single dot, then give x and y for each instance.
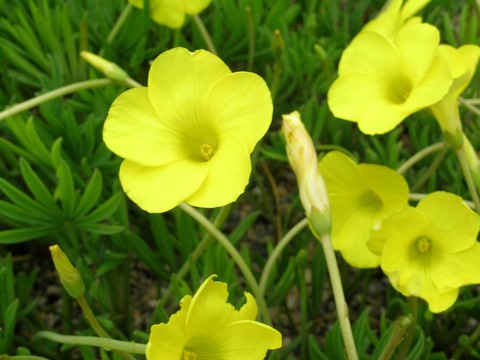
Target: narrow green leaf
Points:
(21, 215)
(65, 190)
(38, 188)
(103, 211)
(91, 194)
(101, 229)
(9, 321)
(16, 236)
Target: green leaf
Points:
(91, 195)
(243, 227)
(9, 321)
(38, 188)
(65, 190)
(21, 215)
(16, 236)
(102, 229)
(103, 211)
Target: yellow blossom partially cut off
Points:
(187, 137)
(303, 160)
(208, 327)
(394, 16)
(361, 196)
(462, 63)
(172, 13)
(432, 250)
(382, 81)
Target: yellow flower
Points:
(382, 81)
(172, 13)
(207, 327)
(462, 63)
(395, 15)
(303, 160)
(361, 196)
(189, 135)
(431, 251)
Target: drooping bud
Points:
(303, 159)
(108, 68)
(69, 275)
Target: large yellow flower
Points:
(361, 196)
(207, 327)
(189, 135)
(172, 12)
(432, 250)
(381, 81)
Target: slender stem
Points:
(205, 35)
(472, 339)
(289, 236)
(396, 337)
(470, 105)
(420, 155)
(339, 296)
(251, 38)
(107, 344)
(470, 101)
(118, 25)
(276, 197)
(431, 169)
(468, 177)
(407, 344)
(99, 330)
(237, 258)
(82, 85)
(132, 83)
(202, 245)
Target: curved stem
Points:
(236, 257)
(468, 177)
(118, 25)
(202, 245)
(289, 236)
(107, 344)
(205, 35)
(420, 155)
(65, 90)
(339, 296)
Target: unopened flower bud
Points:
(110, 69)
(69, 275)
(278, 44)
(303, 159)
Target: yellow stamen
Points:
(207, 151)
(189, 355)
(423, 244)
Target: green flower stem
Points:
(65, 90)
(420, 155)
(468, 177)
(202, 245)
(205, 34)
(289, 236)
(470, 105)
(472, 339)
(431, 169)
(107, 344)
(118, 25)
(407, 343)
(339, 296)
(251, 37)
(396, 337)
(92, 320)
(237, 258)
(132, 83)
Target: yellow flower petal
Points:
(167, 341)
(134, 131)
(194, 7)
(178, 98)
(450, 218)
(228, 174)
(170, 13)
(226, 103)
(159, 189)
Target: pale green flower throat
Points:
(423, 244)
(207, 151)
(189, 355)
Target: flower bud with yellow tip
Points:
(108, 68)
(69, 275)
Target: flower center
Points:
(207, 151)
(423, 244)
(188, 355)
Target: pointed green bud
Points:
(108, 68)
(278, 44)
(69, 275)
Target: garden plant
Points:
(239, 179)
